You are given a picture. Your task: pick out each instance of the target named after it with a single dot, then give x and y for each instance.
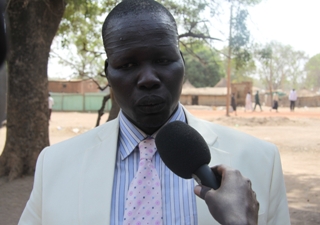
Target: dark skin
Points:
(234, 194)
(145, 71)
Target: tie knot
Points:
(147, 148)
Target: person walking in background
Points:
(292, 98)
(257, 101)
(234, 104)
(50, 104)
(248, 102)
(275, 102)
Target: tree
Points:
(203, 65)
(238, 39)
(33, 25)
(280, 66)
(79, 39)
(312, 69)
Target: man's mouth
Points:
(151, 104)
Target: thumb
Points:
(201, 191)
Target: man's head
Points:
(144, 67)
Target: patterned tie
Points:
(143, 203)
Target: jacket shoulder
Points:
(81, 142)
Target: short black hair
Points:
(135, 7)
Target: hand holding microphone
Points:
(234, 202)
(185, 152)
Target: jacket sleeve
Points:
(32, 213)
(278, 213)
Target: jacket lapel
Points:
(97, 180)
(206, 130)
(218, 157)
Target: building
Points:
(73, 86)
(209, 96)
(214, 96)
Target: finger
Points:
(249, 182)
(254, 194)
(219, 170)
(197, 190)
(201, 191)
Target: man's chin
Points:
(151, 125)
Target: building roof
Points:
(205, 91)
(67, 80)
(187, 84)
(221, 83)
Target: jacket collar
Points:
(207, 131)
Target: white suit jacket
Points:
(74, 179)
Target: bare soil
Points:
(297, 135)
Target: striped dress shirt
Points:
(178, 199)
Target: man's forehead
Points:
(131, 22)
(139, 31)
(155, 22)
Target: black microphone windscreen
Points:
(182, 148)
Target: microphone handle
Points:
(205, 176)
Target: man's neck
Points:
(151, 131)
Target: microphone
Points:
(185, 152)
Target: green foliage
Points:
(79, 38)
(312, 69)
(244, 72)
(241, 73)
(203, 65)
(240, 37)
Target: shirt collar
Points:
(130, 135)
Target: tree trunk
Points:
(33, 24)
(115, 108)
(101, 110)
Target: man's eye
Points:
(162, 61)
(126, 66)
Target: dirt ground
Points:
(295, 133)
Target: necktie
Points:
(143, 202)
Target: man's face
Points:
(145, 68)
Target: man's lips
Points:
(150, 101)
(150, 104)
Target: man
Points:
(257, 101)
(248, 104)
(234, 104)
(293, 98)
(85, 180)
(50, 104)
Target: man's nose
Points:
(148, 78)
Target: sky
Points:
(290, 22)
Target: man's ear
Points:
(106, 70)
(106, 67)
(182, 58)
